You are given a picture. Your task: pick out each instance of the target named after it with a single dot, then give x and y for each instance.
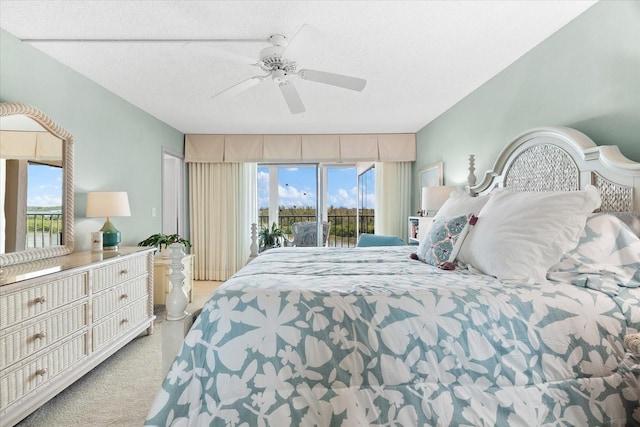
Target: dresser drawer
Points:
(26, 377)
(24, 342)
(29, 302)
(119, 272)
(119, 296)
(119, 322)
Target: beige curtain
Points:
(393, 198)
(223, 204)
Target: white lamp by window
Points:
(108, 204)
(433, 198)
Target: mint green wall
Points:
(118, 147)
(585, 76)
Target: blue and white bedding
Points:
(367, 336)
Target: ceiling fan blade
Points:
(240, 87)
(303, 41)
(291, 96)
(339, 80)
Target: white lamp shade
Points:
(434, 197)
(107, 204)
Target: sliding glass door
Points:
(289, 194)
(366, 200)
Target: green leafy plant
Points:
(271, 237)
(160, 240)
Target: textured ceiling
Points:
(419, 57)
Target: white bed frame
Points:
(564, 159)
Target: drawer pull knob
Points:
(125, 271)
(41, 372)
(124, 296)
(40, 300)
(40, 335)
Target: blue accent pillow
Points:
(444, 239)
(367, 240)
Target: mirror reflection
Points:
(53, 153)
(31, 186)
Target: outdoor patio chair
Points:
(304, 233)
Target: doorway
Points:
(173, 194)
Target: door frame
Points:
(177, 176)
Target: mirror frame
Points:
(14, 108)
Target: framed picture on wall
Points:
(430, 176)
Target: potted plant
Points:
(163, 241)
(270, 237)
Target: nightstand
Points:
(418, 226)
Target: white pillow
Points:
(520, 235)
(460, 203)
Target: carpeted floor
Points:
(118, 392)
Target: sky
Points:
(296, 187)
(45, 186)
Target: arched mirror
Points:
(36, 186)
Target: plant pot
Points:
(165, 252)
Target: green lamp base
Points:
(110, 237)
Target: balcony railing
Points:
(44, 229)
(342, 233)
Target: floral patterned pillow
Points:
(444, 239)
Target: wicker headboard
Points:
(564, 159)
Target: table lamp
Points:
(108, 204)
(433, 198)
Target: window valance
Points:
(30, 146)
(300, 148)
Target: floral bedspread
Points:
(366, 336)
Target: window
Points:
(297, 193)
(44, 205)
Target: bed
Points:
(374, 336)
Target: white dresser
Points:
(61, 317)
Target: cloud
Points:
(343, 199)
(45, 200)
(289, 196)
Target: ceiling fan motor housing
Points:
(271, 59)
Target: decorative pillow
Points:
(520, 235)
(442, 241)
(366, 240)
(607, 256)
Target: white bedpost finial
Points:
(254, 240)
(177, 300)
(471, 178)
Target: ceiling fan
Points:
(273, 60)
